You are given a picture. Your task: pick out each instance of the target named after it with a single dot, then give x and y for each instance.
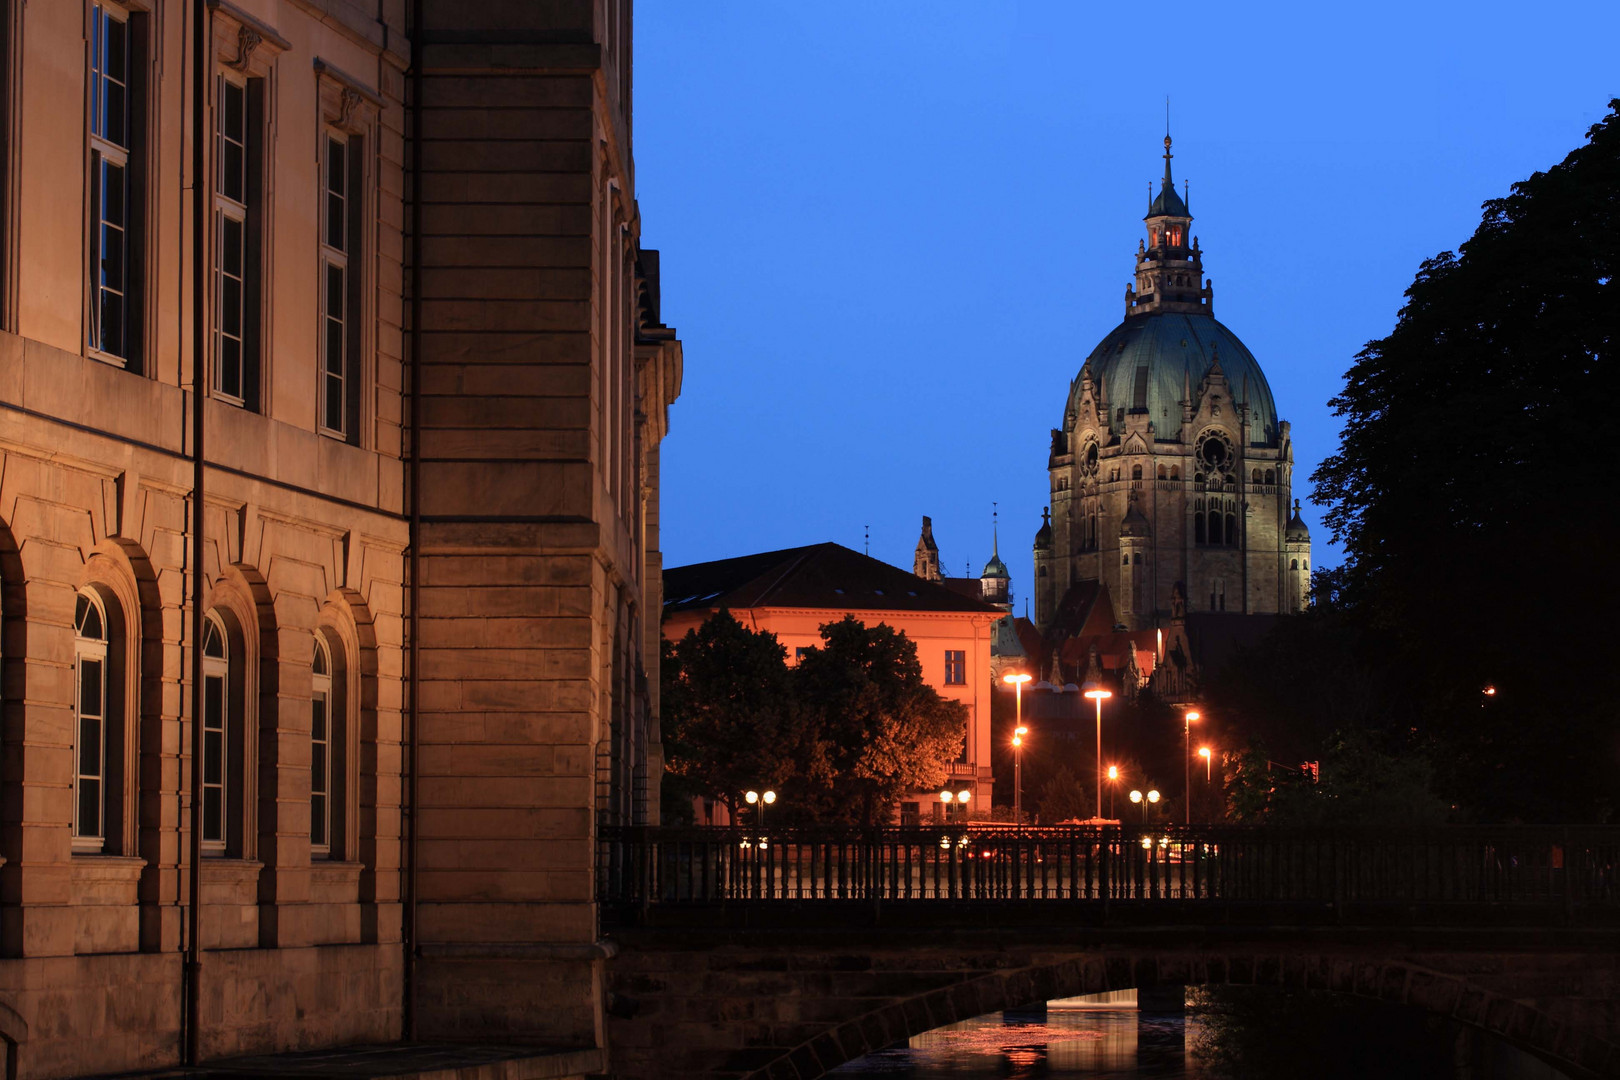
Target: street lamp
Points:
(1113, 782)
(1096, 692)
(1018, 679)
(1203, 752)
(760, 801)
(1186, 758)
(1150, 797)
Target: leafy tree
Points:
(1064, 796)
(726, 707)
(1468, 490)
(874, 729)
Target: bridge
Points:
(780, 955)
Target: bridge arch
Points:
(864, 1003)
(1392, 981)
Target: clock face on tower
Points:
(1215, 453)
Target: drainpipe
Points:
(413, 113)
(199, 87)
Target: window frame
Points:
(96, 650)
(105, 152)
(335, 257)
(216, 668)
(226, 211)
(956, 663)
(325, 819)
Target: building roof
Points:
(828, 576)
(1174, 352)
(1297, 530)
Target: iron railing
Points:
(1567, 867)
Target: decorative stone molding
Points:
(346, 103)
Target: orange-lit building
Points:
(792, 593)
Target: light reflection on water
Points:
(1101, 1039)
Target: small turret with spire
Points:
(1170, 267)
(994, 581)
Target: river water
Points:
(1225, 1034)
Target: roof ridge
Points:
(804, 553)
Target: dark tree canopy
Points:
(841, 736)
(880, 731)
(725, 704)
(1471, 494)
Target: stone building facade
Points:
(1171, 476)
(304, 738)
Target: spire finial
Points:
(995, 542)
(1167, 181)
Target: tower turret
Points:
(1297, 553)
(925, 563)
(994, 581)
(1170, 268)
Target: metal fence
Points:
(1454, 865)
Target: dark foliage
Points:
(841, 736)
(1470, 491)
(877, 730)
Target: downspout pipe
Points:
(199, 384)
(414, 474)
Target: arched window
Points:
(1271, 476)
(1255, 477)
(1231, 530)
(1162, 472)
(1215, 526)
(90, 708)
(1125, 559)
(217, 749)
(1136, 472)
(1138, 560)
(329, 731)
(320, 751)
(1175, 472)
(1199, 536)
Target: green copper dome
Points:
(1148, 363)
(995, 568)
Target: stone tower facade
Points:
(1171, 475)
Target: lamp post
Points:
(1145, 800)
(1186, 759)
(1018, 679)
(1096, 692)
(1203, 752)
(759, 801)
(1113, 782)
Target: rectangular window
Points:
(114, 195)
(335, 307)
(236, 245)
(801, 652)
(213, 802)
(89, 826)
(910, 815)
(320, 774)
(955, 667)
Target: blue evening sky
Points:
(891, 231)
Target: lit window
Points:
(90, 727)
